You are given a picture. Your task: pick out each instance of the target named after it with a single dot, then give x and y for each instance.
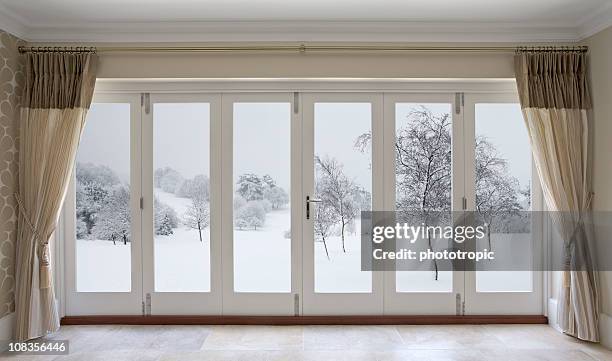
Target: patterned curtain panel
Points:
(554, 96)
(58, 91)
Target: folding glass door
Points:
(250, 203)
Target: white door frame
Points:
(113, 303)
(252, 303)
(168, 303)
(339, 303)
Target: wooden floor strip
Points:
(303, 320)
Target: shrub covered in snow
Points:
(197, 187)
(252, 215)
(167, 179)
(277, 197)
(165, 219)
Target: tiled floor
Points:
(321, 343)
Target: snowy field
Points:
(262, 261)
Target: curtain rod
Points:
(301, 48)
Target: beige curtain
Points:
(554, 95)
(58, 91)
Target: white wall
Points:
(600, 57)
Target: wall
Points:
(11, 83)
(600, 46)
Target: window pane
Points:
(503, 183)
(262, 208)
(103, 219)
(423, 146)
(343, 181)
(182, 197)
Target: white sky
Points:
(262, 137)
(503, 125)
(181, 137)
(106, 138)
(262, 141)
(336, 127)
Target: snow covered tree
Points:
(197, 215)
(197, 187)
(251, 215)
(338, 191)
(268, 181)
(250, 187)
(93, 183)
(165, 218)
(324, 223)
(81, 229)
(87, 173)
(363, 199)
(113, 219)
(423, 167)
(497, 192)
(167, 179)
(239, 202)
(277, 196)
(423, 170)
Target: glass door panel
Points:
(181, 206)
(343, 181)
(261, 201)
(104, 224)
(260, 241)
(181, 191)
(423, 177)
(504, 192)
(339, 163)
(423, 172)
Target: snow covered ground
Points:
(262, 260)
(341, 273)
(102, 266)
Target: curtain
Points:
(58, 92)
(554, 96)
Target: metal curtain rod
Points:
(301, 48)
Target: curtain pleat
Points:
(57, 95)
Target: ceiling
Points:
(304, 20)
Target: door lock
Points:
(308, 201)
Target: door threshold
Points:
(303, 320)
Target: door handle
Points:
(308, 201)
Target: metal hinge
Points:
(141, 203)
(463, 203)
(296, 103)
(143, 308)
(296, 304)
(463, 308)
(458, 308)
(145, 102)
(459, 102)
(148, 308)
